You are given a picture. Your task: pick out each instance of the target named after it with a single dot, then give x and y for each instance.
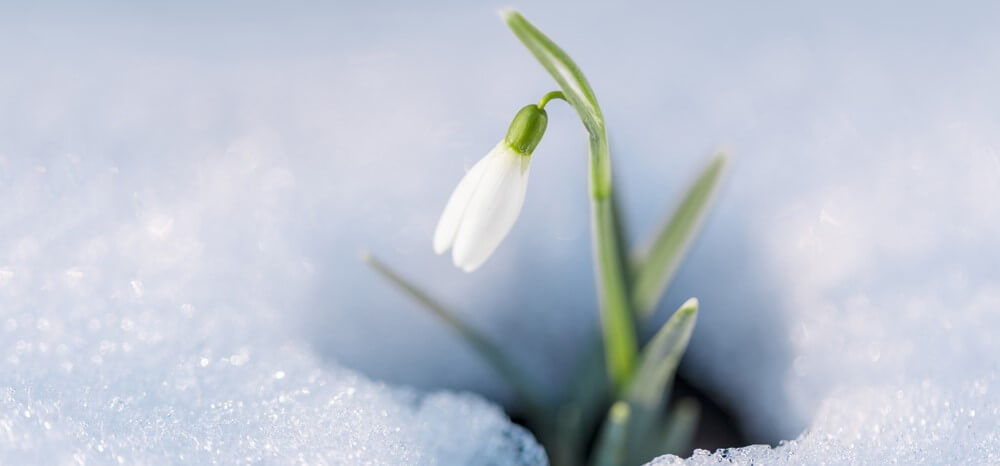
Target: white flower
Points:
(485, 204)
(483, 207)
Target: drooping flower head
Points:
(486, 202)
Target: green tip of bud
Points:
(527, 129)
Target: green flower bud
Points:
(527, 129)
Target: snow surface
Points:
(906, 424)
(191, 181)
(151, 383)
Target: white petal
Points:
(492, 210)
(451, 218)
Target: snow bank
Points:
(135, 332)
(930, 423)
(113, 396)
(151, 275)
(849, 282)
(134, 376)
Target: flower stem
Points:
(616, 314)
(551, 95)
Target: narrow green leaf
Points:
(584, 407)
(648, 390)
(678, 432)
(656, 266)
(611, 445)
(613, 294)
(482, 345)
(661, 356)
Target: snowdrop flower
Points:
(485, 204)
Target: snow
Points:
(927, 423)
(151, 269)
(117, 397)
(125, 340)
(132, 376)
(185, 191)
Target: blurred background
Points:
(243, 154)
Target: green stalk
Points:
(613, 296)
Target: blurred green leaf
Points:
(584, 406)
(482, 345)
(660, 357)
(611, 445)
(648, 390)
(678, 432)
(656, 266)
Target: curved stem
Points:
(616, 314)
(551, 95)
(576, 89)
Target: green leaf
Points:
(661, 356)
(583, 409)
(648, 390)
(678, 432)
(657, 265)
(611, 445)
(613, 294)
(482, 345)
